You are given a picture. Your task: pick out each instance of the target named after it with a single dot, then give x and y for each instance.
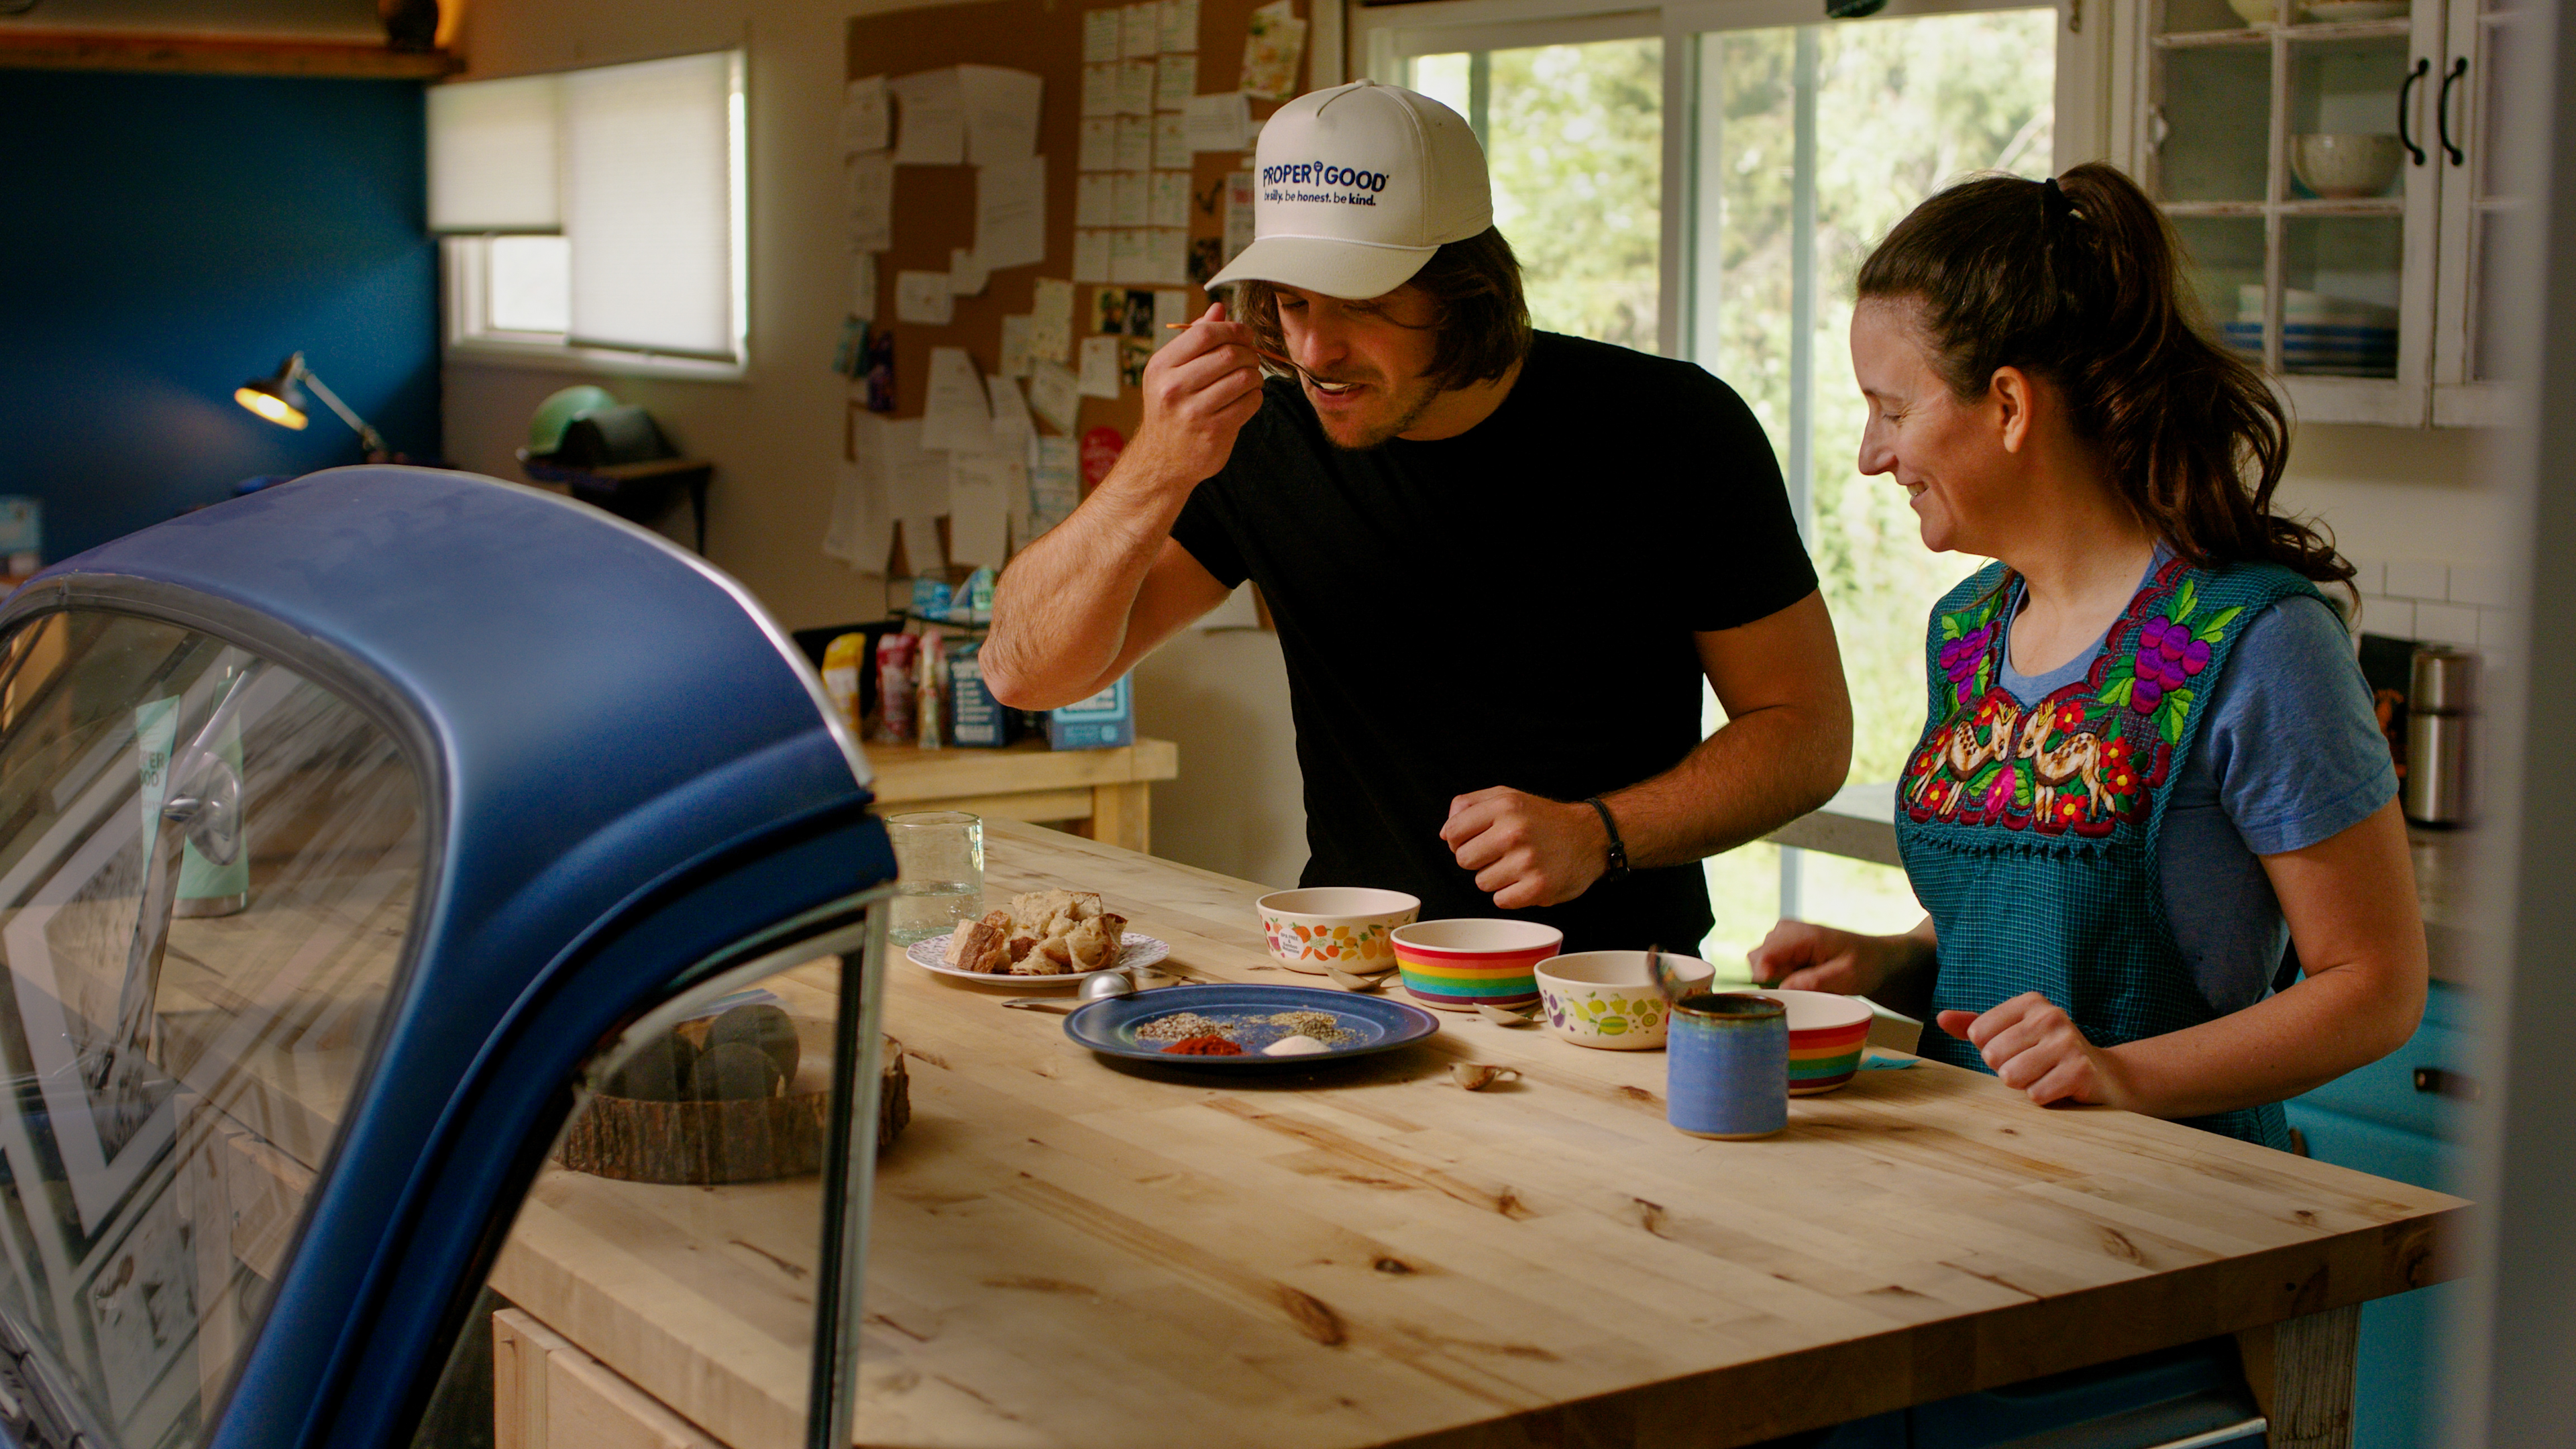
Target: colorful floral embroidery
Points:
(2090, 755)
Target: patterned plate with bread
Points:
(1042, 938)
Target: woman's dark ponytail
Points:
(2079, 280)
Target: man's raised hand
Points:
(1200, 390)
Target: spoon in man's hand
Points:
(1264, 356)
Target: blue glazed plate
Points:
(1109, 1027)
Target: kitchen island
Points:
(1069, 1253)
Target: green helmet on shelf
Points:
(557, 412)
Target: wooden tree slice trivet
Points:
(704, 1143)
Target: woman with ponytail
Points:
(2150, 762)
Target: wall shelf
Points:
(218, 55)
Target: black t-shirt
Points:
(1513, 606)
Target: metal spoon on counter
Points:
(1099, 988)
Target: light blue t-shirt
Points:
(2289, 754)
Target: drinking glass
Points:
(939, 864)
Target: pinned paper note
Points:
(865, 125)
(868, 198)
(1095, 199)
(1010, 212)
(1100, 89)
(1055, 482)
(931, 121)
(1219, 122)
(967, 274)
(1274, 41)
(923, 551)
(1091, 255)
(1180, 25)
(1132, 199)
(1173, 308)
(1099, 149)
(1172, 141)
(1135, 143)
(1140, 29)
(1099, 376)
(954, 413)
(1167, 256)
(1001, 112)
(914, 480)
(1055, 394)
(1012, 425)
(1176, 79)
(1051, 319)
(924, 298)
(1100, 36)
(861, 532)
(981, 490)
(1135, 88)
(1127, 255)
(1015, 344)
(1167, 199)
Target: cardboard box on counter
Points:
(1102, 722)
(976, 720)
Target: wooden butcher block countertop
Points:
(1070, 1253)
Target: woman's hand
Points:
(2034, 1046)
(1803, 956)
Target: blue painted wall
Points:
(165, 238)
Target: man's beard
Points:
(1379, 436)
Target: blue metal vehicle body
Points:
(631, 778)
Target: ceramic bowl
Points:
(1827, 1034)
(2335, 12)
(1325, 928)
(1604, 999)
(2341, 165)
(1453, 965)
(2254, 12)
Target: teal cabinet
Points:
(2400, 1117)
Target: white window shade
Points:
(650, 152)
(493, 156)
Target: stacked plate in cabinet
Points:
(2321, 335)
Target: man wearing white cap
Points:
(1500, 561)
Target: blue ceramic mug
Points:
(1727, 1066)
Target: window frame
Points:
(1386, 38)
(465, 271)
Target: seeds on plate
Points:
(1323, 1026)
(1181, 1025)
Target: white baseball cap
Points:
(1356, 187)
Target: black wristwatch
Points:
(1618, 869)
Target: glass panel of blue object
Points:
(207, 872)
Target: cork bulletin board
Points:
(933, 211)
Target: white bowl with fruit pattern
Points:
(1605, 998)
(1335, 928)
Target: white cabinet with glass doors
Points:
(2323, 161)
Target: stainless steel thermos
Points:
(2441, 709)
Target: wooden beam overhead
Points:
(217, 55)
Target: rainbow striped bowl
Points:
(1455, 965)
(1827, 1034)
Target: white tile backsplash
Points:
(2420, 579)
(2392, 617)
(2447, 624)
(2367, 574)
(2477, 585)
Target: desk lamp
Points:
(278, 399)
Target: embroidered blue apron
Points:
(2031, 833)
